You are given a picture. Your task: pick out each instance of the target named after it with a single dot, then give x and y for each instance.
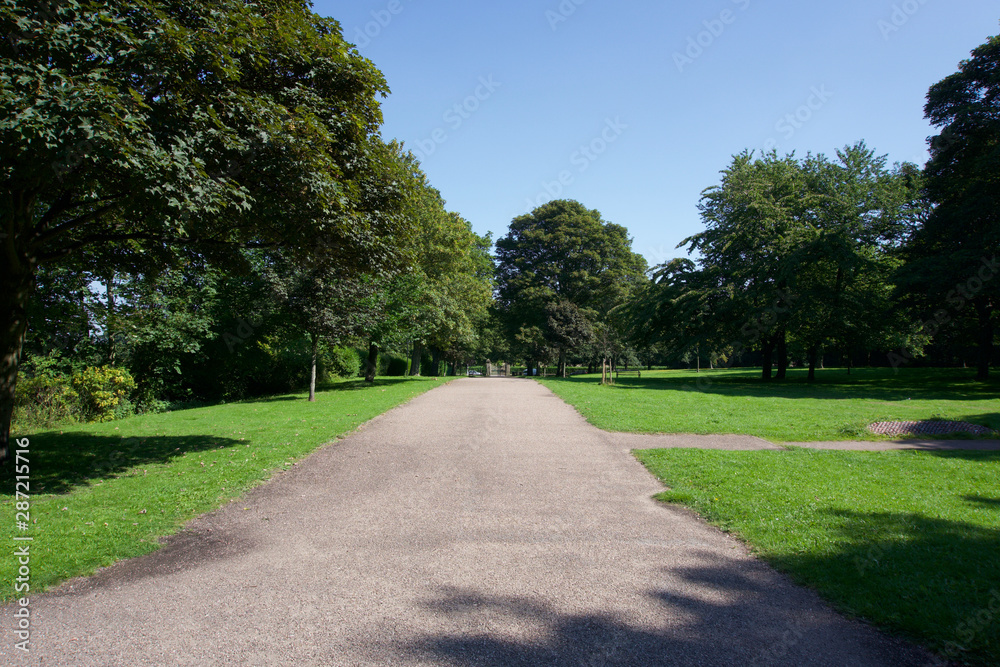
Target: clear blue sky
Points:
(501, 98)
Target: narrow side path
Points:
(485, 523)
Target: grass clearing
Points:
(838, 406)
(907, 540)
(106, 492)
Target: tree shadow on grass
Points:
(990, 503)
(722, 613)
(934, 579)
(874, 384)
(61, 461)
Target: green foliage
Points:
(104, 392)
(907, 540)
(397, 366)
(795, 252)
(344, 362)
(560, 270)
(204, 125)
(951, 270)
(44, 401)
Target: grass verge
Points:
(907, 540)
(106, 492)
(838, 406)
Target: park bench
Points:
(635, 372)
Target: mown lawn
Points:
(907, 540)
(839, 406)
(105, 492)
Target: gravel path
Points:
(484, 523)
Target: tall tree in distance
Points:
(745, 249)
(565, 261)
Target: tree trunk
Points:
(312, 374)
(985, 353)
(372, 365)
(418, 352)
(813, 352)
(436, 362)
(561, 372)
(109, 329)
(767, 351)
(782, 351)
(15, 293)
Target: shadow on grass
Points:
(934, 579)
(874, 384)
(62, 461)
(723, 613)
(990, 503)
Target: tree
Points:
(200, 124)
(952, 257)
(454, 272)
(326, 303)
(562, 253)
(567, 328)
(846, 252)
(745, 248)
(800, 251)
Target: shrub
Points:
(45, 401)
(103, 392)
(397, 367)
(344, 362)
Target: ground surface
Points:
(484, 523)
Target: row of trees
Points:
(214, 172)
(799, 256)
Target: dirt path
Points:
(484, 523)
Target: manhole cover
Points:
(928, 428)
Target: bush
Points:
(104, 392)
(397, 367)
(344, 362)
(45, 401)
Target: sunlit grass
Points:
(105, 492)
(839, 406)
(907, 540)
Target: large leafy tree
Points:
(953, 255)
(562, 253)
(745, 249)
(846, 251)
(211, 123)
(800, 251)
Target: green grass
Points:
(908, 540)
(836, 407)
(105, 492)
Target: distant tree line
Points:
(801, 259)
